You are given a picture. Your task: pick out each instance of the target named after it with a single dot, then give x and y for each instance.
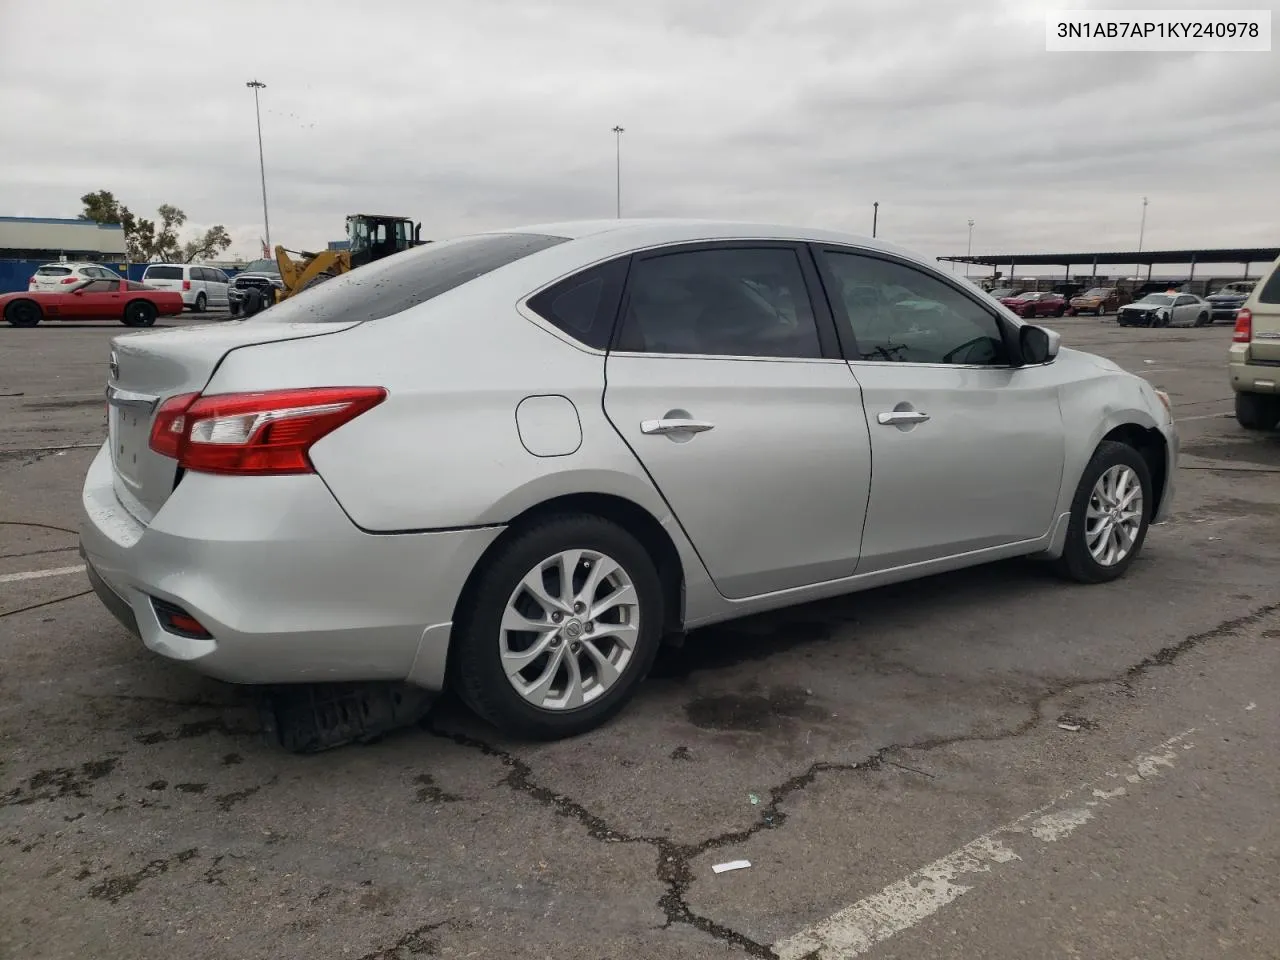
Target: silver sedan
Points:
(518, 462)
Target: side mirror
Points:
(1038, 345)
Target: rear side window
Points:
(585, 305)
(396, 283)
(163, 273)
(53, 272)
(1270, 292)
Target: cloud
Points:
(475, 115)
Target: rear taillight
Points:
(1243, 332)
(186, 284)
(31, 281)
(255, 433)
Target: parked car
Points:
(133, 304)
(1224, 304)
(201, 287)
(62, 277)
(1254, 356)
(1164, 310)
(1099, 301)
(260, 278)
(514, 462)
(1032, 304)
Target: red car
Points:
(1036, 304)
(133, 304)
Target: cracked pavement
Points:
(838, 746)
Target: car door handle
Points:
(901, 416)
(674, 425)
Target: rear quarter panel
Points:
(443, 449)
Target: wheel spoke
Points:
(513, 619)
(536, 692)
(515, 661)
(625, 633)
(573, 688)
(601, 568)
(533, 583)
(606, 672)
(623, 596)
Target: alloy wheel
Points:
(1113, 519)
(569, 630)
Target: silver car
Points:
(517, 462)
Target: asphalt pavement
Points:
(985, 764)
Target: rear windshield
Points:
(388, 286)
(1270, 292)
(53, 272)
(163, 273)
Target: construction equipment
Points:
(369, 237)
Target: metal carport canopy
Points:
(1244, 255)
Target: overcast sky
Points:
(490, 112)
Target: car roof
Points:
(653, 231)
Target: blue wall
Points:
(15, 274)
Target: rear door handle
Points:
(901, 416)
(674, 425)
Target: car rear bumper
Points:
(1254, 377)
(287, 587)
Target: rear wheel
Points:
(140, 313)
(559, 629)
(1102, 311)
(201, 303)
(23, 313)
(1060, 311)
(1110, 514)
(1257, 411)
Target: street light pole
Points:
(969, 250)
(1142, 229)
(875, 216)
(257, 85)
(617, 133)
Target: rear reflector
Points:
(1243, 332)
(255, 433)
(70, 280)
(173, 619)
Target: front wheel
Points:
(140, 313)
(1102, 311)
(1110, 514)
(1202, 320)
(1257, 411)
(23, 313)
(562, 624)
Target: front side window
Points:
(899, 313)
(728, 302)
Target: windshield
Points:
(1027, 296)
(1098, 292)
(262, 266)
(1002, 292)
(1160, 298)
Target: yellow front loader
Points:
(369, 237)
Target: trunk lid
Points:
(149, 368)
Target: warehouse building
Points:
(27, 242)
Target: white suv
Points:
(201, 287)
(61, 277)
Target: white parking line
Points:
(39, 574)
(900, 906)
